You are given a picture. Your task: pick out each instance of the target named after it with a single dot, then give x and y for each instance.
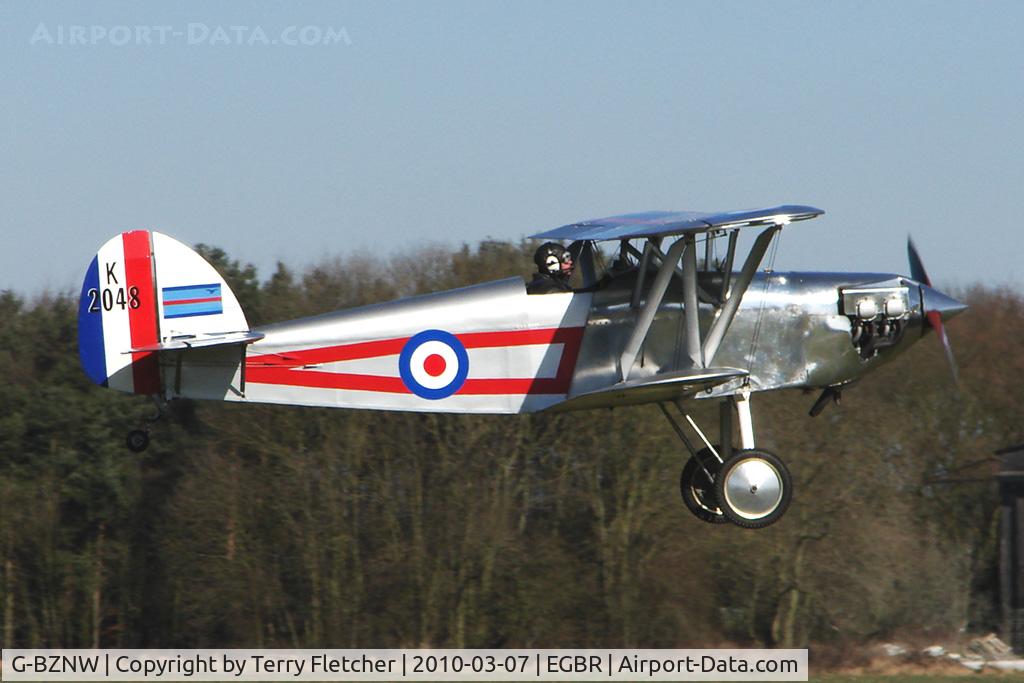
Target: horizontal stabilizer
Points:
(198, 341)
(663, 387)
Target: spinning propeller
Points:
(937, 307)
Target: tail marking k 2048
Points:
(117, 312)
(141, 291)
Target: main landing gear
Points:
(138, 439)
(750, 487)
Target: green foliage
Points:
(277, 526)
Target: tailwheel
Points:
(753, 488)
(697, 488)
(137, 441)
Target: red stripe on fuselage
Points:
(569, 337)
(329, 354)
(287, 368)
(138, 268)
(190, 301)
(548, 335)
(318, 379)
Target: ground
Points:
(912, 678)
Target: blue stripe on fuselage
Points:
(90, 327)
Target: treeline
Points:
(270, 526)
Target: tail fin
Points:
(142, 291)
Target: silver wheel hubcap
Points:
(753, 488)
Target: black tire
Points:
(137, 441)
(761, 464)
(698, 491)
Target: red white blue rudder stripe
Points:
(143, 289)
(90, 328)
(117, 313)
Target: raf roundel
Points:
(433, 364)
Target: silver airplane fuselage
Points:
(792, 330)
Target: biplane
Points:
(678, 315)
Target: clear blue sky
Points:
(451, 122)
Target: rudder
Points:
(141, 290)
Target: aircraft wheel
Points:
(753, 488)
(698, 491)
(137, 441)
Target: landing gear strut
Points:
(750, 487)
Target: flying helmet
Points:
(554, 259)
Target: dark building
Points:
(1011, 544)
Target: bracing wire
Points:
(754, 338)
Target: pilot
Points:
(554, 268)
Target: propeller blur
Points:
(938, 307)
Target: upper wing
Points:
(660, 223)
